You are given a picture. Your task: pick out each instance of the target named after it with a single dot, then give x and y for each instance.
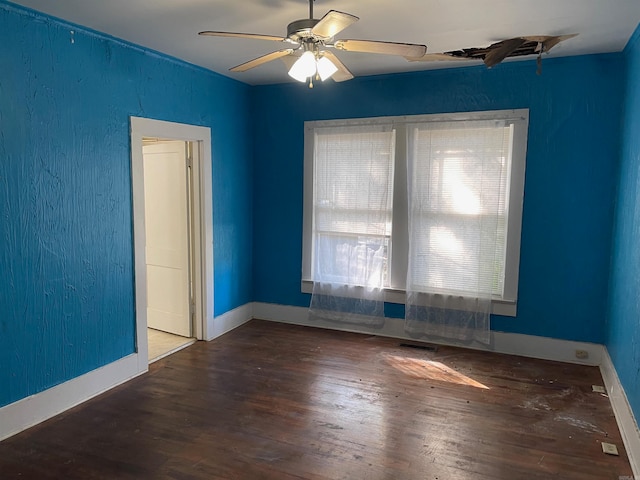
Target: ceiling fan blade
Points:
(501, 50)
(333, 23)
(289, 60)
(254, 36)
(437, 57)
(388, 48)
(343, 72)
(256, 62)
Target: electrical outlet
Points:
(609, 448)
(598, 389)
(582, 354)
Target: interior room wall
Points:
(66, 250)
(575, 111)
(66, 262)
(623, 321)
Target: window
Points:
(352, 204)
(435, 196)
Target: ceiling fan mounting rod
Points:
(311, 9)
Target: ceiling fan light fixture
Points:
(304, 67)
(308, 38)
(326, 68)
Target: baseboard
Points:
(228, 321)
(546, 348)
(501, 342)
(622, 411)
(30, 411)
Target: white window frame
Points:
(507, 305)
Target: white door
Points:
(167, 237)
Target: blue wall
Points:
(570, 182)
(623, 322)
(66, 251)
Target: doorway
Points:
(173, 236)
(169, 250)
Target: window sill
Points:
(392, 295)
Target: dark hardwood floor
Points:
(276, 401)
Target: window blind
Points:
(458, 206)
(352, 202)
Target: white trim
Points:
(30, 411)
(205, 283)
(307, 201)
(520, 132)
(622, 411)
(510, 343)
(399, 249)
(228, 321)
(203, 211)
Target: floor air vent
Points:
(422, 346)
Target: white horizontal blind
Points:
(458, 200)
(352, 204)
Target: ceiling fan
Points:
(308, 40)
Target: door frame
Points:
(202, 224)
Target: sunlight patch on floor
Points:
(431, 370)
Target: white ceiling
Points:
(171, 26)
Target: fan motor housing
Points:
(301, 29)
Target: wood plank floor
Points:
(276, 401)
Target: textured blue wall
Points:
(570, 181)
(623, 322)
(66, 251)
(66, 271)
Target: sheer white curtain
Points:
(352, 208)
(458, 189)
